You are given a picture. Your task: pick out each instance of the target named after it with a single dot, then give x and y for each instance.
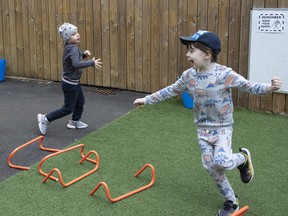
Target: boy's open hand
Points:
(98, 63)
(139, 101)
(275, 84)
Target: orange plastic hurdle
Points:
(40, 138)
(84, 157)
(241, 211)
(130, 193)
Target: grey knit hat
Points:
(66, 30)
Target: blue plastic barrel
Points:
(2, 69)
(187, 100)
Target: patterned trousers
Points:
(217, 156)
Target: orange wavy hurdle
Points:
(130, 193)
(40, 138)
(241, 211)
(84, 157)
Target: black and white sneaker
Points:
(246, 169)
(228, 208)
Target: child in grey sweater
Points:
(210, 85)
(73, 95)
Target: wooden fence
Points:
(137, 40)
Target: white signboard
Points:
(268, 51)
(271, 22)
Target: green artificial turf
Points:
(163, 135)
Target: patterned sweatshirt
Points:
(211, 92)
(72, 64)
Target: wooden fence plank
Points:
(174, 42)
(12, 38)
(97, 40)
(2, 51)
(234, 32)
(130, 44)
(81, 12)
(138, 45)
(105, 42)
(65, 10)
(155, 49)
(26, 39)
(65, 18)
(271, 3)
(90, 73)
(53, 40)
(192, 25)
(223, 31)
(122, 41)
(164, 41)
(39, 40)
(278, 103)
(213, 16)
(282, 3)
(60, 13)
(74, 13)
(258, 3)
(192, 17)
(114, 43)
(19, 41)
(46, 44)
(32, 38)
(286, 104)
(147, 46)
(202, 15)
(182, 31)
(242, 97)
(6, 37)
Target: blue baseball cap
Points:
(205, 37)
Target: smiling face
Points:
(75, 38)
(197, 57)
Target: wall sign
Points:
(271, 22)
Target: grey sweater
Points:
(211, 91)
(72, 64)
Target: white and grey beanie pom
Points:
(66, 30)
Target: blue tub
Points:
(187, 100)
(2, 69)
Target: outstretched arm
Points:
(168, 92)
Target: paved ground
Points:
(21, 100)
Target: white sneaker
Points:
(42, 123)
(76, 124)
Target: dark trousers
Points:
(73, 103)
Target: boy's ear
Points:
(208, 55)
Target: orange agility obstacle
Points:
(241, 211)
(84, 157)
(130, 193)
(40, 138)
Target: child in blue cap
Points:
(210, 85)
